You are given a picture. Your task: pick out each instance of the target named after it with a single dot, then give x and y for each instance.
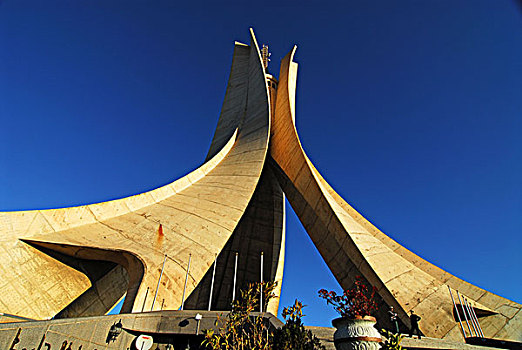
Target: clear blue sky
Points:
(410, 109)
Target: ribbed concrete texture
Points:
(81, 261)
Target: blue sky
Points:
(410, 109)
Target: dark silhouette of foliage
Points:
(293, 334)
(243, 331)
(357, 301)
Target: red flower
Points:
(357, 301)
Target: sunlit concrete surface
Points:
(352, 246)
(81, 261)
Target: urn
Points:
(356, 333)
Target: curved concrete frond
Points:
(261, 229)
(351, 245)
(197, 213)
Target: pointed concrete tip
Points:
(253, 35)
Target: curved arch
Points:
(351, 245)
(198, 213)
(133, 265)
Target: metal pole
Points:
(145, 299)
(474, 330)
(198, 318)
(159, 280)
(235, 276)
(464, 312)
(212, 285)
(468, 308)
(478, 323)
(185, 287)
(261, 287)
(458, 314)
(475, 319)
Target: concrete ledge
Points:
(166, 327)
(325, 335)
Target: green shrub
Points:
(242, 331)
(392, 341)
(293, 335)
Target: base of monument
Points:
(494, 343)
(169, 329)
(325, 335)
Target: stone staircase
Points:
(325, 335)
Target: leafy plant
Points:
(243, 331)
(293, 334)
(357, 301)
(392, 341)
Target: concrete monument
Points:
(81, 261)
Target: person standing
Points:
(414, 320)
(393, 319)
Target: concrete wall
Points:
(91, 332)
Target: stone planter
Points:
(356, 334)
